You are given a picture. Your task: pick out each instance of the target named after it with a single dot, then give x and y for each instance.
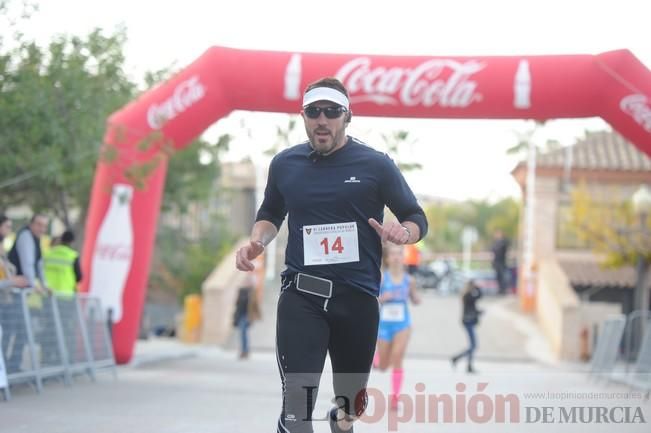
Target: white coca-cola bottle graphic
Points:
(293, 78)
(113, 252)
(522, 86)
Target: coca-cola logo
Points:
(442, 82)
(185, 95)
(637, 107)
(117, 252)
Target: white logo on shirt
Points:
(353, 179)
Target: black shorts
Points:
(309, 326)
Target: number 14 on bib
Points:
(328, 244)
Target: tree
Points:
(395, 141)
(284, 136)
(619, 236)
(444, 230)
(192, 172)
(447, 221)
(53, 109)
(504, 215)
(524, 141)
(180, 264)
(54, 105)
(608, 226)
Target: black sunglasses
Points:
(330, 112)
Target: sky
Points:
(461, 159)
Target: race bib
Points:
(393, 312)
(329, 244)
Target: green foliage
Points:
(446, 222)
(55, 101)
(610, 227)
(396, 141)
(192, 172)
(505, 216)
(283, 136)
(181, 264)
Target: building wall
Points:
(545, 217)
(567, 322)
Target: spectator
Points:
(500, 249)
(246, 311)
(469, 319)
(61, 266)
(26, 254)
(27, 257)
(13, 332)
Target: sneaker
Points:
(334, 427)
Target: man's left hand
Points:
(391, 231)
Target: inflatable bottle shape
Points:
(111, 261)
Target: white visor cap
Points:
(325, 94)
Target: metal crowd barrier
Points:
(52, 337)
(626, 339)
(634, 334)
(640, 376)
(4, 385)
(637, 352)
(606, 350)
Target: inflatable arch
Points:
(130, 175)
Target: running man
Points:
(333, 189)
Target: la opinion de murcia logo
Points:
(186, 94)
(426, 84)
(637, 106)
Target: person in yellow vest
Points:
(61, 266)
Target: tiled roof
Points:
(603, 150)
(592, 274)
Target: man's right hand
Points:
(245, 255)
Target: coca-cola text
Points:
(185, 95)
(114, 252)
(425, 84)
(637, 107)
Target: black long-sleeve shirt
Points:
(352, 184)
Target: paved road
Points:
(205, 390)
(504, 334)
(176, 388)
